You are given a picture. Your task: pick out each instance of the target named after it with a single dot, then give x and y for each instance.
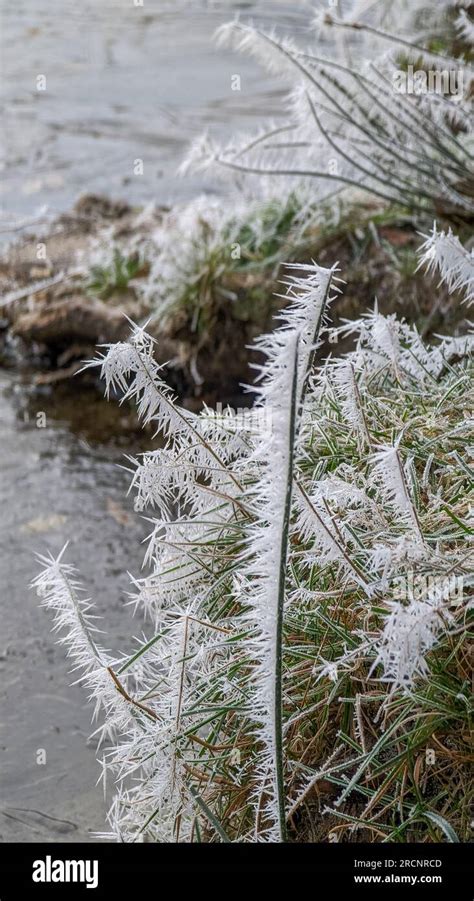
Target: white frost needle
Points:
(410, 631)
(443, 252)
(59, 590)
(389, 478)
(348, 394)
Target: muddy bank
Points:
(58, 308)
(52, 320)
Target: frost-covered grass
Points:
(114, 275)
(353, 119)
(306, 673)
(345, 136)
(443, 253)
(203, 252)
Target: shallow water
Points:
(59, 482)
(122, 83)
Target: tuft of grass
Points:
(309, 656)
(105, 280)
(225, 265)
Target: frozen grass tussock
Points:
(305, 673)
(379, 99)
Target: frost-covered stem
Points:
(225, 497)
(444, 252)
(58, 590)
(295, 60)
(127, 697)
(301, 173)
(184, 646)
(359, 576)
(261, 138)
(317, 777)
(393, 38)
(391, 182)
(317, 330)
(415, 123)
(181, 679)
(358, 399)
(408, 498)
(186, 422)
(74, 601)
(278, 699)
(426, 124)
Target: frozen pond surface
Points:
(59, 482)
(122, 83)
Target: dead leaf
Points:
(117, 512)
(44, 523)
